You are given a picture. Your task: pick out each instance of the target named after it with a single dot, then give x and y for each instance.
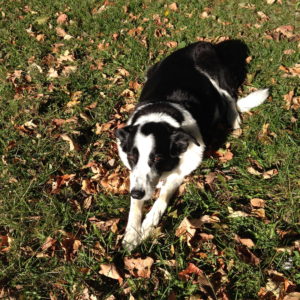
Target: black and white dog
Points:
(184, 96)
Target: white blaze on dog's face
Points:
(149, 150)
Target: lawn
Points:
(70, 74)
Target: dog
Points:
(184, 96)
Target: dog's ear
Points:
(180, 141)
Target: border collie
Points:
(185, 96)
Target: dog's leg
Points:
(189, 161)
(172, 182)
(133, 235)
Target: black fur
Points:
(177, 79)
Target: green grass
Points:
(32, 161)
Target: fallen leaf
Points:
(290, 71)
(171, 44)
(286, 30)
(110, 270)
(61, 19)
(109, 225)
(247, 242)
(247, 256)
(256, 202)
(259, 212)
(173, 6)
(48, 243)
(253, 171)
(88, 187)
(60, 181)
(186, 229)
(62, 33)
(236, 213)
(269, 174)
(72, 145)
(52, 73)
(224, 155)
(139, 267)
(289, 51)
(291, 102)
(292, 296)
(197, 276)
(67, 70)
(5, 243)
(263, 16)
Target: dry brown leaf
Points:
(224, 155)
(52, 73)
(247, 242)
(61, 181)
(186, 229)
(292, 296)
(206, 236)
(40, 37)
(290, 71)
(116, 183)
(197, 276)
(171, 44)
(134, 85)
(48, 243)
(67, 70)
(236, 213)
(263, 16)
(173, 6)
(270, 173)
(256, 202)
(253, 171)
(266, 136)
(259, 212)
(289, 51)
(291, 102)
(109, 225)
(110, 270)
(62, 33)
(210, 177)
(139, 267)
(247, 256)
(286, 30)
(88, 187)
(70, 246)
(5, 243)
(61, 19)
(72, 145)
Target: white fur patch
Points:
(156, 118)
(141, 176)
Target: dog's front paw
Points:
(131, 239)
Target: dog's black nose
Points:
(137, 194)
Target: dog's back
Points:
(199, 77)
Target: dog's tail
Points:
(252, 100)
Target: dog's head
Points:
(149, 150)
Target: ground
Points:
(70, 74)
